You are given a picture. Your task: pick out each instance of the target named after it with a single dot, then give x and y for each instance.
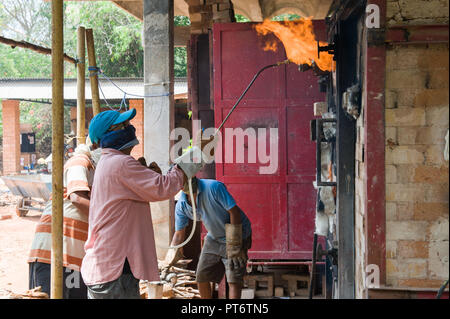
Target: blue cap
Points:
(101, 123)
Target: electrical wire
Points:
(123, 103)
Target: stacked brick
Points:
(417, 12)
(417, 200)
(203, 13)
(222, 11)
(11, 137)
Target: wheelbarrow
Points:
(32, 188)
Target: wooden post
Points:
(33, 47)
(93, 74)
(56, 291)
(81, 85)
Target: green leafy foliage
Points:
(117, 37)
(118, 46)
(23, 63)
(241, 18)
(180, 53)
(284, 17)
(40, 117)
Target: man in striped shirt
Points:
(78, 177)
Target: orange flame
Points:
(271, 46)
(299, 42)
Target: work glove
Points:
(237, 258)
(192, 161)
(172, 257)
(153, 166)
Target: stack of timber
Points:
(177, 282)
(35, 293)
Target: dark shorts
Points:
(124, 287)
(213, 263)
(73, 284)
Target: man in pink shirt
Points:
(120, 249)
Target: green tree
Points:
(180, 53)
(118, 45)
(287, 16)
(241, 18)
(117, 36)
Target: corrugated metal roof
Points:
(30, 88)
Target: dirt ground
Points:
(16, 235)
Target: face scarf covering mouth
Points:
(120, 139)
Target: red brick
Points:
(293, 281)
(432, 98)
(405, 211)
(405, 117)
(420, 283)
(408, 78)
(434, 59)
(412, 249)
(430, 211)
(431, 135)
(436, 193)
(431, 174)
(256, 281)
(438, 79)
(11, 136)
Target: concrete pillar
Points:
(11, 136)
(159, 110)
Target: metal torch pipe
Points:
(248, 88)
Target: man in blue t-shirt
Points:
(227, 242)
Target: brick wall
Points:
(203, 13)
(417, 200)
(417, 12)
(11, 136)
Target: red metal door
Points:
(280, 206)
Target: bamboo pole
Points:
(92, 73)
(33, 47)
(81, 85)
(56, 291)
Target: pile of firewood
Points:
(178, 283)
(35, 293)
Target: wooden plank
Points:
(374, 128)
